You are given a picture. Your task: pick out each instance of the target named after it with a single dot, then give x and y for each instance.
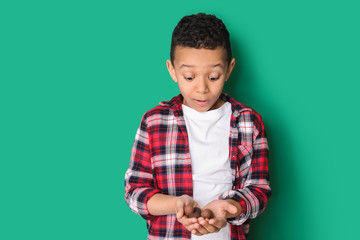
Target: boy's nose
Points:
(202, 86)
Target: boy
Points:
(200, 149)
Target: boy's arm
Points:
(139, 182)
(162, 204)
(140, 192)
(254, 195)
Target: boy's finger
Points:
(202, 230)
(195, 232)
(209, 227)
(218, 223)
(192, 227)
(212, 221)
(197, 229)
(187, 222)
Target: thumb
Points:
(231, 208)
(179, 212)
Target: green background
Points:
(76, 77)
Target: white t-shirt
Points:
(208, 134)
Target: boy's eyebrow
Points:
(184, 65)
(212, 66)
(216, 65)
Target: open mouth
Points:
(201, 102)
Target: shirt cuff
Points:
(245, 205)
(139, 206)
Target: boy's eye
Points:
(189, 78)
(213, 78)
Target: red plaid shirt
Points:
(160, 163)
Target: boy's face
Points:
(200, 75)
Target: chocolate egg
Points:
(196, 213)
(192, 212)
(207, 213)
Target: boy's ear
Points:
(171, 70)
(230, 68)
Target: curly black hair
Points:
(200, 31)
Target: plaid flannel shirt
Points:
(160, 163)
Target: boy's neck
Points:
(218, 104)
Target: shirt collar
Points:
(175, 104)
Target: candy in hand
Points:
(207, 213)
(192, 212)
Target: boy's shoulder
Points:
(165, 107)
(243, 113)
(165, 111)
(239, 108)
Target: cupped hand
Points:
(221, 210)
(190, 223)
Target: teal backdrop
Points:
(77, 76)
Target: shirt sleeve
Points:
(139, 181)
(254, 194)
